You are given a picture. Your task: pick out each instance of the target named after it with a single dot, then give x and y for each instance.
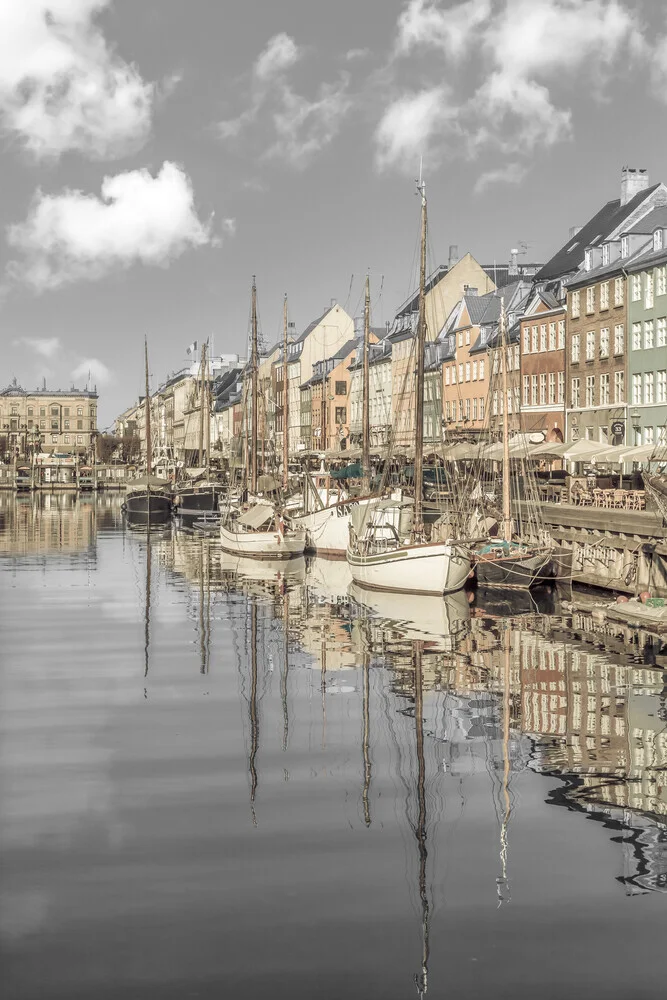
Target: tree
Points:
(106, 446)
(131, 447)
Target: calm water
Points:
(224, 778)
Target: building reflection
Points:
(50, 524)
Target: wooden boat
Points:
(148, 498)
(201, 495)
(387, 547)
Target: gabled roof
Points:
(347, 348)
(606, 221)
(583, 278)
(656, 219)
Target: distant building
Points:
(47, 421)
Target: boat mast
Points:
(149, 443)
(254, 715)
(421, 343)
(366, 739)
(207, 416)
(285, 400)
(253, 401)
(421, 979)
(507, 499)
(201, 405)
(365, 419)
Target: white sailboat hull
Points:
(327, 530)
(437, 568)
(263, 544)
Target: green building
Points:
(647, 336)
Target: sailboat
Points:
(512, 560)
(203, 495)
(148, 497)
(328, 524)
(260, 530)
(387, 547)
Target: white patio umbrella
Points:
(641, 453)
(555, 448)
(613, 454)
(582, 450)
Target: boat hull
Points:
(146, 506)
(516, 570)
(436, 568)
(263, 544)
(193, 502)
(327, 530)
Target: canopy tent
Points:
(611, 454)
(555, 448)
(582, 450)
(464, 450)
(257, 517)
(642, 453)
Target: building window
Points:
(604, 295)
(662, 435)
(517, 359)
(54, 411)
(460, 409)
(453, 374)
(79, 439)
(662, 332)
(636, 287)
(657, 239)
(526, 390)
(481, 370)
(636, 390)
(552, 336)
(561, 387)
(619, 291)
(619, 387)
(79, 411)
(590, 390)
(561, 334)
(481, 408)
(66, 411)
(605, 254)
(649, 340)
(533, 389)
(588, 261)
(42, 424)
(575, 348)
(543, 389)
(662, 387)
(468, 338)
(552, 387)
(42, 411)
(448, 410)
(535, 341)
(467, 409)
(15, 411)
(460, 373)
(543, 337)
(590, 345)
(649, 383)
(648, 290)
(66, 439)
(460, 338)
(30, 411)
(474, 371)
(619, 339)
(55, 425)
(590, 300)
(446, 376)
(79, 425)
(509, 400)
(605, 396)
(474, 408)
(467, 371)
(526, 340)
(604, 342)
(661, 283)
(636, 336)
(648, 435)
(341, 389)
(54, 439)
(575, 395)
(30, 424)
(625, 246)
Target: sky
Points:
(156, 154)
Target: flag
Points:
(192, 348)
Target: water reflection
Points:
(324, 751)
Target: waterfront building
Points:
(647, 340)
(319, 341)
(380, 394)
(47, 421)
(306, 409)
(542, 347)
(329, 385)
(515, 297)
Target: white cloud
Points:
(61, 86)
(504, 66)
(280, 53)
(356, 54)
(46, 347)
(512, 173)
(424, 24)
(290, 126)
(138, 218)
(93, 371)
(408, 128)
(229, 227)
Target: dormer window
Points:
(625, 246)
(605, 254)
(658, 239)
(589, 260)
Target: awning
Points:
(257, 516)
(612, 454)
(642, 453)
(462, 451)
(583, 450)
(555, 448)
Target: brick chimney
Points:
(453, 255)
(633, 180)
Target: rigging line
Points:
(349, 292)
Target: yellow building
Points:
(47, 421)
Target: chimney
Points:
(469, 290)
(453, 255)
(573, 231)
(633, 180)
(513, 269)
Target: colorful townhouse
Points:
(542, 340)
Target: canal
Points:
(224, 778)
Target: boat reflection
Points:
(438, 622)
